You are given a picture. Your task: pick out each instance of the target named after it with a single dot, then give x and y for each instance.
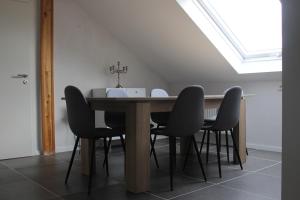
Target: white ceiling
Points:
(161, 34)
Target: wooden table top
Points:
(144, 99)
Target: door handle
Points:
(20, 76)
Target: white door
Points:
(18, 46)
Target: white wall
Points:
(291, 99)
(83, 51)
(263, 111)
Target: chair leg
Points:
(172, 148)
(106, 156)
(109, 143)
(220, 141)
(152, 143)
(202, 141)
(199, 157)
(236, 150)
(91, 167)
(218, 153)
(72, 159)
(247, 151)
(187, 154)
(123, 143)
(155, 158)
(207, 146)
(227, 147)
(108, 146)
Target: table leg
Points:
(137, 159)
(85, 152)
(240, 133)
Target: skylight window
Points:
(246, 32)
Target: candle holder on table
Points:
(118, 70)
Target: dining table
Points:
(137, 137)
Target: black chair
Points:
(160, 119)
(227, 118)
(185, 120)
(82, 123)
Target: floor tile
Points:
(259, 184)
(8, 176)
(160, 184)
(254, 164)
(32, 161)
(77, 183)
(40, 173)
(212, 172)
(115, 192)
(2, 166)
(220, 193)
(24, 190)
(272, 171)
(52, 177)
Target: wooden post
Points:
(46, 75)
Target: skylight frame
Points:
(225, 29)
(227, 45)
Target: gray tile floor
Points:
(41, 177)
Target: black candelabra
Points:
(119, 70)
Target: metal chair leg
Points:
(218, 154)
(227, 147)
(72, 159)
(108, 146)
(187, 154)
(123, 143)
(106, 156)
(236, 150)
(199, 157)
(172, 148)
(109, 143)
(207, 146)
(202, 141)
(220, 141)
(91, 166)
(152, 143)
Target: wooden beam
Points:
(46, 76)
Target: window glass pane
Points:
(253, 25)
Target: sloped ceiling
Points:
(161, 34)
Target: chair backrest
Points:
(187, 116)
(116, 92)
(160, 118)
(80, 116)
(159, 93)
(115, 119)
(229, 111)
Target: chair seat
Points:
(158, 131)
(107, 132)
(207, 127)
(209, 121)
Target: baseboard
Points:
(36, 152)
(264, 147)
